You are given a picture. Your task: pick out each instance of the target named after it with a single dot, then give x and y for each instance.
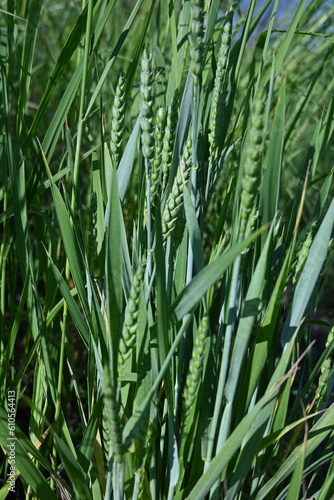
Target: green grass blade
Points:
(113, 271)
(189, 298)
(310, 274)
(248, 316)
(272, 180)
(27, 61)
(162, 305)
(124, 170)
(133, 424)
(265, 336)
(24, 464)
(70, 242)
(86, 449)
(114, 54)
(194, 231)
(328, 486)
(184, 119)
(71, 304)
(16, 167)
(179, 62)
(248, 432)
(296, 479)
(69, 49)
(316, 436)
(74, 470)
(225, 454)
(284, 47)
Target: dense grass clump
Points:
(166, 224)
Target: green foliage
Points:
(166, 224)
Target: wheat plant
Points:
(166, 225)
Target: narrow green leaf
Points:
(271, 184)
(16, 167)
(64, 57)
(74, 470)
(265, 336)
(113, 270)
(71, 304)
(317, 434)
(70, 242)
(309, 275)
(193, 230)
(200, 284)
(225, 454)
(296, 479)
(162, 323)
(27, 60)
(184, 117)
(89, 438)
(248, 433)
(284, 47)
(126, 164)
(115, 52)
(249, 313)
(133, 424)
(24, 464)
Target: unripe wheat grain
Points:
(219, 94)
(168, 141)
(252, 168)
(112, 426)
(303, 245)
(174, 201)
(196, 39)
(146, 107)
(156, 164)
(117, 123)
(128, 336)
(195, 368)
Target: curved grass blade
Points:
(70, 242)
(317, 434)
(74, 470)
(124, 170)
(27, 61)
(115, 52)
(24, 463)
(271, 184)
(71, 304)
(309, 275)
(246, 322)
(247, 434)
(67, 52)
(207, 277)
(113, 270)
(194, 231)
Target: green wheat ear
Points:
(169, 140)
(253, 164)
(196, 40)
(128, 336)
(302, 248)
(325, 373)
(146, 107)
(219, 93)
(112, 426)
(156, 164)
(117, 122)
(195, 368)
(174, 202)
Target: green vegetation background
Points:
(166, 220)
